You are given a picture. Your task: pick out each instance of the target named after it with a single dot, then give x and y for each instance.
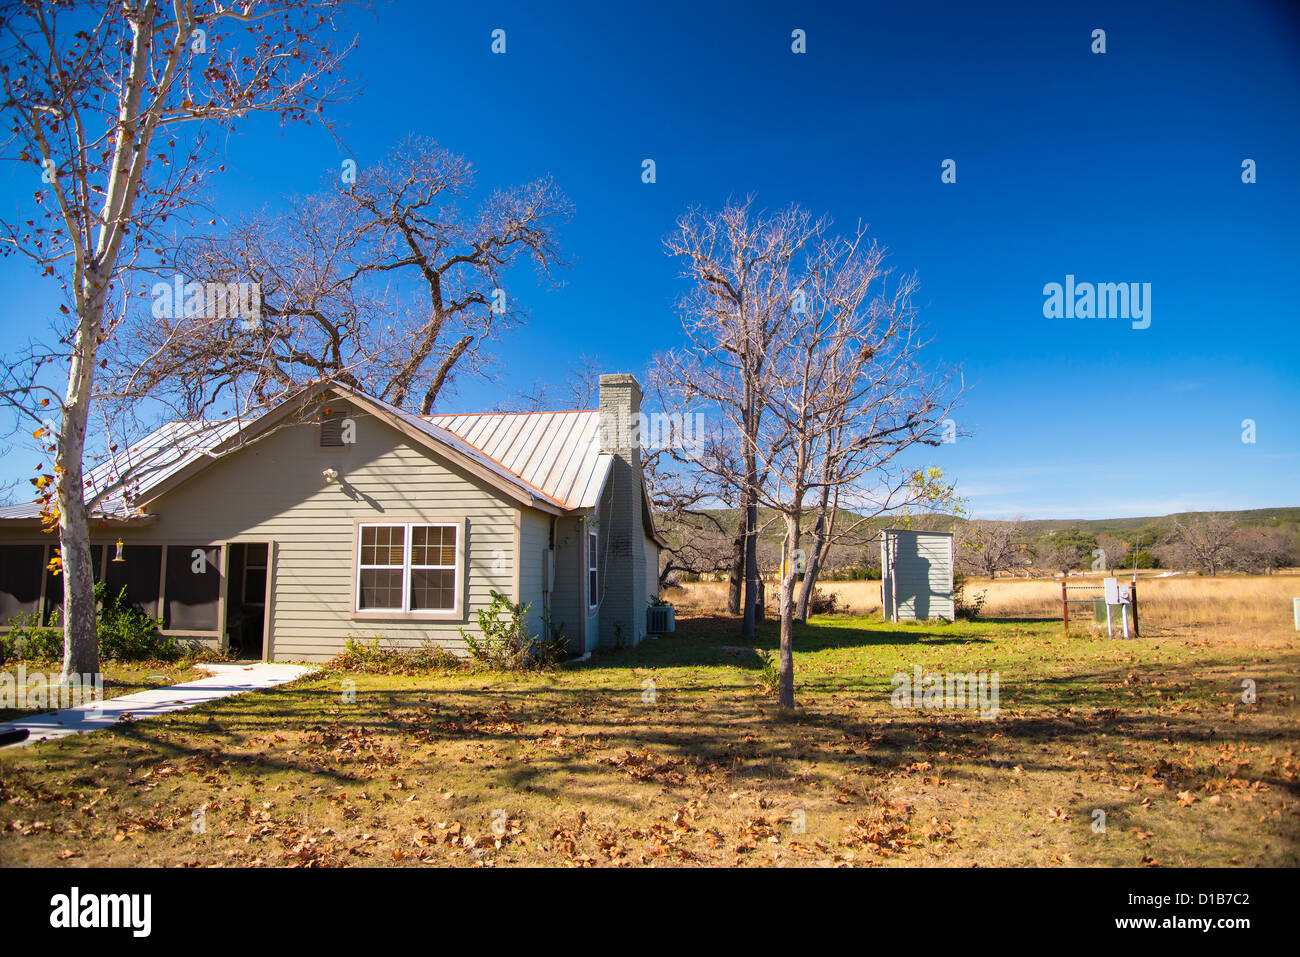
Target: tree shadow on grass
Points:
(590, 739)
(703, 642)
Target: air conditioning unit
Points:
(660, 619)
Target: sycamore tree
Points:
(114, 108)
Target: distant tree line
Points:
(1205, 544)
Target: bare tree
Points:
(741, 300)
(849, 373)
(990, 547)
(795, 344)
(825, 514)
(1203, 541)
(1263, 550)
(382, 283)
(680, 493)
(582, 382)
(113, 103)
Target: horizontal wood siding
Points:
(651, 569)
(274, 491)
(922, 567)
(534, 536)
(567, 610)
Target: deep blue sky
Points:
(1117, 167)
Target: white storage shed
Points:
(916, 574)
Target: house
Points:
(336, 514)
(916, 574)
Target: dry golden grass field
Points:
(1241, 602)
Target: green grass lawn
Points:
(666, 754)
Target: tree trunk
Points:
(749, 626)
(785, 686)
(80, 635)
(815, 557)
(737, 577)
(750, 420)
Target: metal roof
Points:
(454, 439)
(553, 456)
(557, 453)
(152, 460)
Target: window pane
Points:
(433, 545)
(396, 541)
(381, 588)
(382, 545)
(591, 587)
(447, 554)
(420, 544)
(20, 580)
(193, 588)
(433, 589)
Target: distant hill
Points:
(773, 528)
(1276, 517)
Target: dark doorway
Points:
(246, 600)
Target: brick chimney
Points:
(620, 525)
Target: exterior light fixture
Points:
(330, 476)
(117, 555)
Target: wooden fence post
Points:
(1133, 600)
(1065, 611)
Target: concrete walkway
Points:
(226, 680)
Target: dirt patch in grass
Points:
(665, 755)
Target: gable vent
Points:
(331, 425)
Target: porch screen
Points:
(20, 580)
(141, 573)
(193, 588)
(54, 583)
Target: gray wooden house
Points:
(337, 514)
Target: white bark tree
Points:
(112, 104)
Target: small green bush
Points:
(361, 655)
(504, 642)
(29, 640)
(769, 673)
(964, 608)
(125, 634)
(128, 634)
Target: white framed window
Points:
(408, 568)
(432, 579)
(593, 577)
